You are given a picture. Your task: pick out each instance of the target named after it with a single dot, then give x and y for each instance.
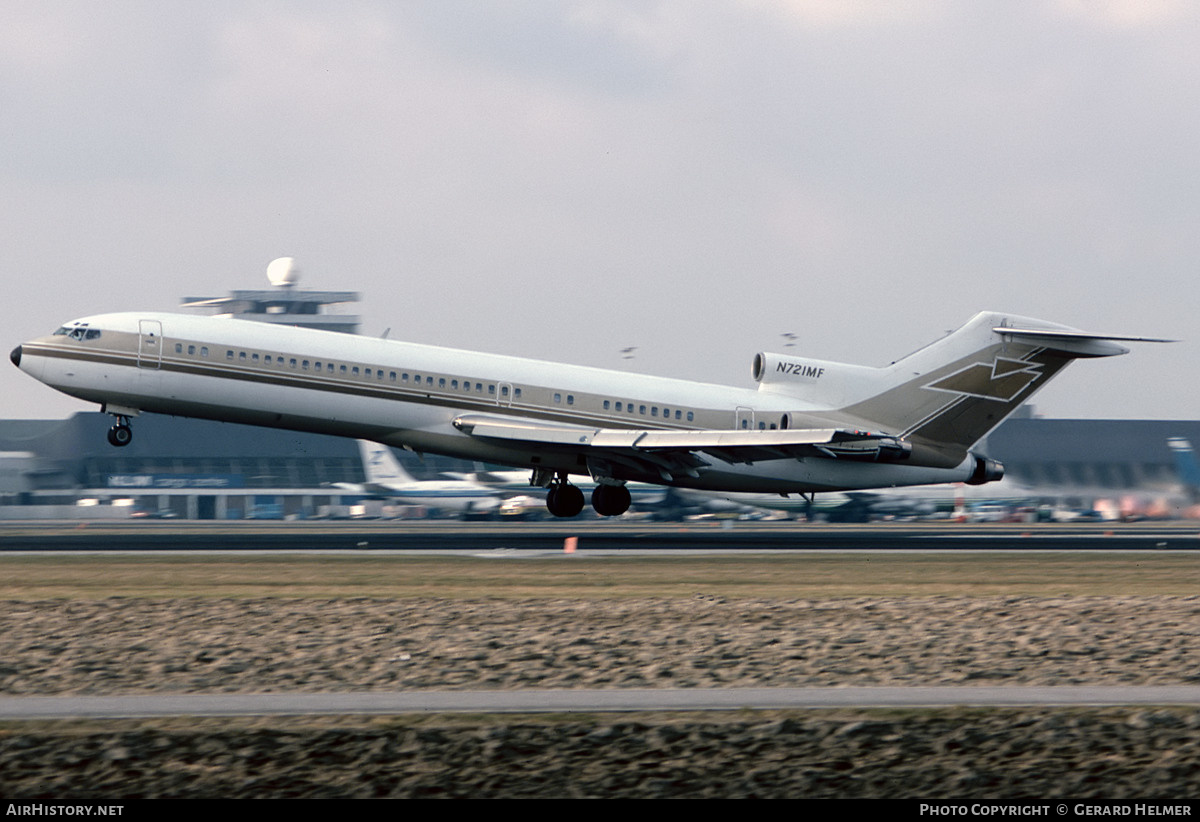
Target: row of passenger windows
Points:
(629, 408)
(403, 377)
(353, 371)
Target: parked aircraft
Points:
(386, 477)
(811, 426)
(1154, 500)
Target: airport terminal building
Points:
(199, 469)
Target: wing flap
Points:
(656, 447)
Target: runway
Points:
(585, 701)
(549, 537)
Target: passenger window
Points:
(619, 406)
(229, 355)
(517, 393)
(689, 416)
(204, 351)
(570, 399)
(606, 405)
(558, 397)
(254, 358)
(178, 348)
(191, 349)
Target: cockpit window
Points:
(78, 332)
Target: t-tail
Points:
(945, 397)
(380, 464)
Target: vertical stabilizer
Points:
(947, 396)
(380, 464)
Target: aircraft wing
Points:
(671, 452)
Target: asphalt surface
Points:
(585, 701)
(551, 536)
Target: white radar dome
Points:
(283, 271)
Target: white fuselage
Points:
(408, 395)
(447, 496)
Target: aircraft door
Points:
(504, 393)
(743, 417)
(149, 344)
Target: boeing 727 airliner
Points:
(810, 426)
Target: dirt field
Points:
(79, 626)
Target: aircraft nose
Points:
(15, 356)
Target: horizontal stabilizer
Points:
(1075, 343)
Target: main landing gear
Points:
(566, 500)
(610, 500)
(120, 434)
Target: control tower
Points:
(284, 303)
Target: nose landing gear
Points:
(120, 434)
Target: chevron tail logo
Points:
(1002, 379)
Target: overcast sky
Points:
(564, 179)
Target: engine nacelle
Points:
(781, 368)
(821, 382)
(986, 470)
